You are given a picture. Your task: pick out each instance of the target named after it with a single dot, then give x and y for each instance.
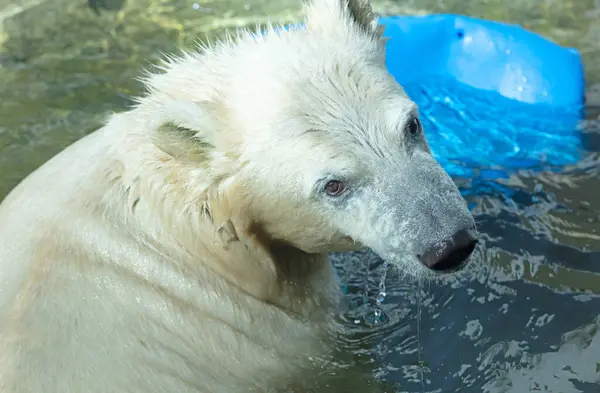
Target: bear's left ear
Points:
(185, 130)
(328, 14)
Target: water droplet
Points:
(378, 313)
(520, 88)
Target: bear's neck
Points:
(280, 274)
(276, 273)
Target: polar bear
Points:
(182, 247)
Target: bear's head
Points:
(301, 137)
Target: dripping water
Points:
(378, 311)
(421, 364)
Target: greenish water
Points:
(527, 322)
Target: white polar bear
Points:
(183, 246)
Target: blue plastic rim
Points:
(493, 97)
(487, 55)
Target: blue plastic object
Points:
(487, 55)
(493, 97)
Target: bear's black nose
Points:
(450, 254)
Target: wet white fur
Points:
(145, 258)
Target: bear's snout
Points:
(450, 254)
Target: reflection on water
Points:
(526, 320)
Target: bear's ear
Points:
(182, 143)
(328, 14)
(186, 130)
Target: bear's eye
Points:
(334, 187)
(414, 127)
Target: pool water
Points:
(526, 320)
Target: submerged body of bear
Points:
(183, 246)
